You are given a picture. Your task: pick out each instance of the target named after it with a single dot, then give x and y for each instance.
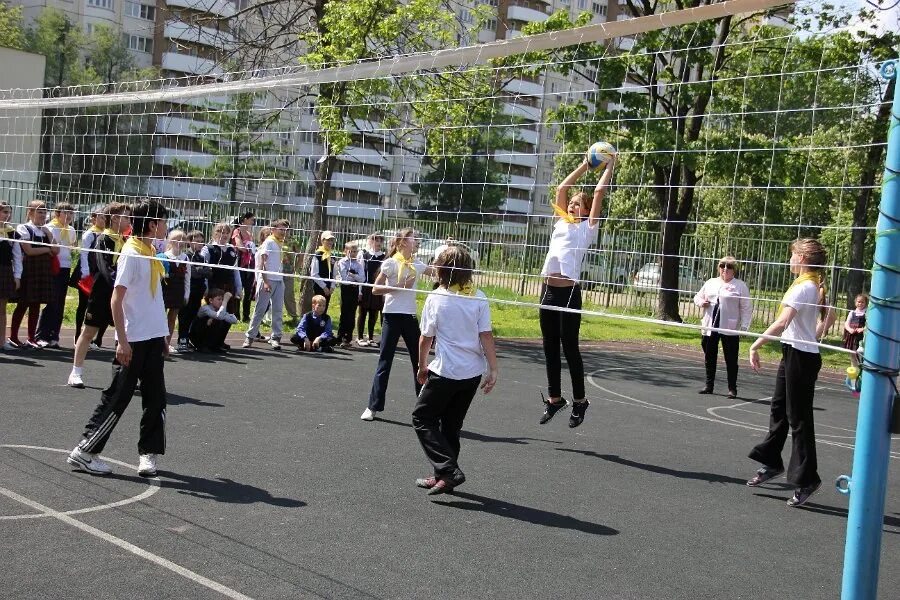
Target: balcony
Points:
(168, 156)
(194, 65)
(185, 190)
(221, 8)
(360, 182)
(520, 182)
(179, 30)
(513, 33)
(517, 206)
(527, 88)
(365, 155)
(185, 127)
(516, 158)
(336, 208)
(529, 15)
(530, 113)
(526, 135)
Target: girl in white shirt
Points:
(401, 270)
(573, 233)
(726, 304)
(804, 319)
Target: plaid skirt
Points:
(173, 290)
(7, 283)
(37, 282)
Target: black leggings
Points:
(365, 310)
(561, 328)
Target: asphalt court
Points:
(273, 488)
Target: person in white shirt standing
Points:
(64, 236)
(803, 320)
(269, 285)
(573, 233)
(351, 272)
(459, 317)
(726, 304)
(139, 315)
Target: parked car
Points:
(598, 272)
(427, 248)
(648, 277)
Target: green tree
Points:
(12, 32)
(467, 187)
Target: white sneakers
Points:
(94, 346)
(75, 381)
(147, 465)
(361, 342)
(276, 345)
(90, 463)
(248, 343)
(368, 415)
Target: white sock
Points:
(77, 370)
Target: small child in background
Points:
(321, 268)
(221, 257)
(177, 284)
(314, 332)
(210, 328)
(199, 274)
(351, 272)
(459, 317)
(855, 327)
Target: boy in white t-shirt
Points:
(139, 316)
(459, 316)
(269, 285)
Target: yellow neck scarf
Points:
(6, 228)
(272, 238)
(404, 263)
(564, 215)
(466, 290)
(801, 279)
(118, 240)
(65, 234)
(326, 253)
(157, 270)
(95, 229)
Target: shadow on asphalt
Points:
(219, 490)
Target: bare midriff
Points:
(557, 280)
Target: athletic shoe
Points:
(345, 345)
(183, 346)
(732, 394)
(276, 345)
(261, 338)
(368, 415)
(551, 408)
(426, 482)
(374, 344)
(54, 345)
(10, 345)
(173, 350)
(95, 346)
(802, 495)
(225, 347)
(75, 381)
(90, 463)
(42, 344)
(445, 485)
(147, 465)
(763, 475)
(578, 410)
(362, 343)
(31, 345)
(248, 343)
(706, 390)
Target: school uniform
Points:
(36, 280)
(568, 244)
(312, 326)
(88, 239)
(320, 270)
(795, 385)
(729, 308)
(246, 274)
(370, 305)
(855, 320)
(399, 321)
(146, 328)
(225, 279)
(210, 328)
(103, 267)
(197, 288)
(7, 282)
(177, 284)
(453, 376)
(50, 321)
(351, 273)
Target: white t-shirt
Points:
(272, 252)
(456, 321)
(65, 245)
(805, 300)
(145, 314)
(400, 301)
(568, 245)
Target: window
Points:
(280, 188)
(140, 11)
(582, 4)
(599, 9)
(304, 189)
(107, 4)
(491, 25)
(138, 43)
(252, 185)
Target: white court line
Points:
(153, 487)
(136, 550)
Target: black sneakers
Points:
(551, 408)
(446, 483)
(802, 495)
(764, 475)
(578, 410)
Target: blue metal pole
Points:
(881, 357)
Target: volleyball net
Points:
(740, 127)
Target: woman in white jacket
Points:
(726, 305)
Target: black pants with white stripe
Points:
(438, 418)
(147, 360)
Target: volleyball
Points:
(599, 154)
